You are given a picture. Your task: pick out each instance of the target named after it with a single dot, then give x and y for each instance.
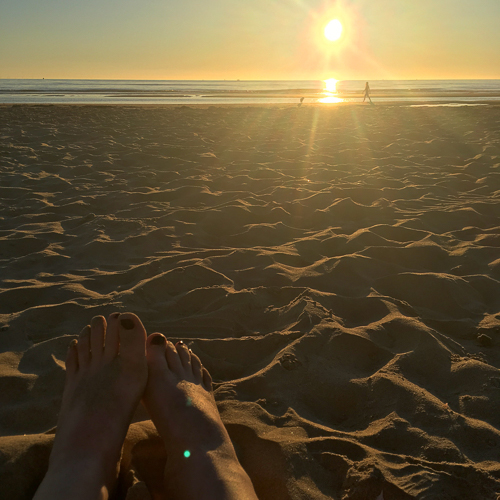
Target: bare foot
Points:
(106, 374)
(201, 461)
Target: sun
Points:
(333, 30)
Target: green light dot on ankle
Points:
(187, 453)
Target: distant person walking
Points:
(367, 93)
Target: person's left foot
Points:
(106, 373)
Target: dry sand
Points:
(336, 269)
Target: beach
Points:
(335, 268)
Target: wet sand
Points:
(337, 269)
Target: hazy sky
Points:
(249, 39)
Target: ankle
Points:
(78, 481)
(214, 475)
(90, 474)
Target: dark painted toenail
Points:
(128, 324)
(158, 340)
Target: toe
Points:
(184, 354)
(112, 341)
(83, 347)
(132, 336)
(155, 352)
(97, 333)
(207, 380)
(72, 358)
(197, 368)
(173, 360)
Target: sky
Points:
(249, 39)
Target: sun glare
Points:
(333, 30)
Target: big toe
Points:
(156, 345)
(132, 335)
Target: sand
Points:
(337, 269)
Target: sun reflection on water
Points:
(331, 100)
(330, 92)
(331, 85)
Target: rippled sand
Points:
(337, 271)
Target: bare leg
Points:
(106, 374)
(201, 461)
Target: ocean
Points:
(244, 92)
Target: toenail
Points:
(158, 340)
(128, 324)
(181, 342)
(115, 315)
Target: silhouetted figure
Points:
(300, 103)
(367, 93)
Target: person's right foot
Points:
(201, 460)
